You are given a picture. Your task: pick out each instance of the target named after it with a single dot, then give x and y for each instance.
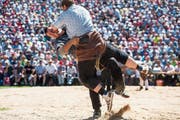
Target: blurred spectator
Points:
(157, 68)
(169, 78)
(5, 60)
(29, 72)
(71, 73)
(61, 72)
(8, 74)
(148, 62)
(40, 74)
(23, 60)
(177, 67)
(51, 75)
(13, 59)
(173, 60)
(18, 74)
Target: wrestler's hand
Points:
(52, 32)
(65, 48)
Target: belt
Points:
(84, 38)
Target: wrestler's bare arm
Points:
(64, 50)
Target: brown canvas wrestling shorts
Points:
(90, 47)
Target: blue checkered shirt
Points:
(77, 21)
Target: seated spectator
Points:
(51, 73)
(61, 72)
(169, 78)
(8, 74)
(18, 74)
(40, 73)
(71, 73)
(29, 73)
(174, 60)
(23, 60)
(28, 54)
(156, 69)
(13, 59)
(5, 60)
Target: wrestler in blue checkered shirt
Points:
(69, 18)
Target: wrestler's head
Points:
(65, 4)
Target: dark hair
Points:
(67, 3)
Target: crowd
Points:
(148, 30)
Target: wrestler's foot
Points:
(119, 89)
(96, 114)
(123, 94)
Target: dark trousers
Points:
(95, 100)
(107, 83)
(88, 73)
(51, 79)
(109, 60)
(87, 70)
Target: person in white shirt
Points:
(169, 78)
(142, 81)
(177, 67)
(144, 78)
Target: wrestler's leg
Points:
(87, 74)
(121, 57)
(96, 104)
(117, 78)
